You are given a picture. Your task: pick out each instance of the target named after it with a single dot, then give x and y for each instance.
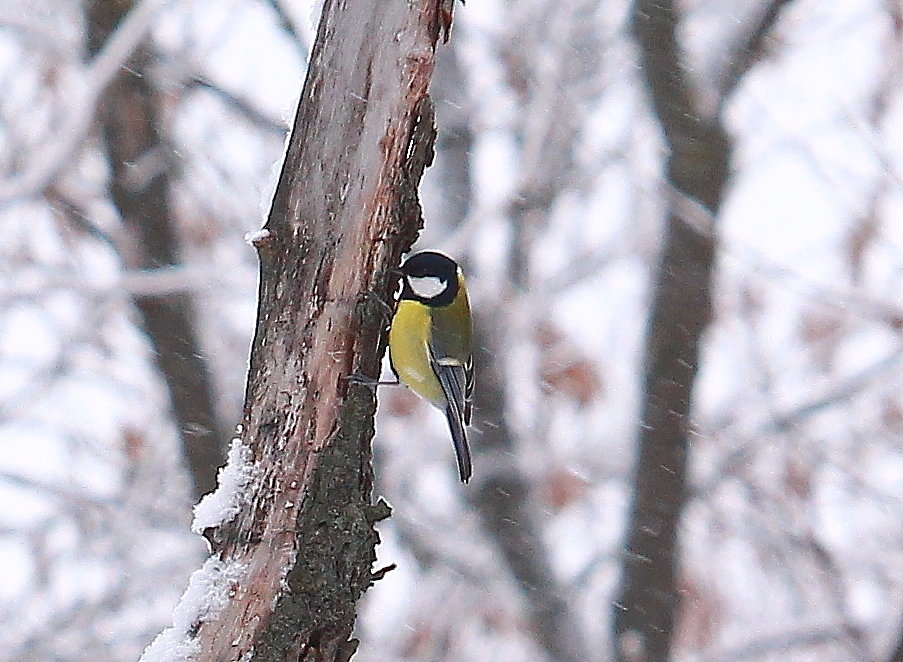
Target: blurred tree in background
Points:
(683, 229)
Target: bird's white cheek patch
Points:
(427, 287)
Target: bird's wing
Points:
(455, 378)
(450, 345)
(468, 390)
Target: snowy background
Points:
(792, 540)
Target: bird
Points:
(431, 343)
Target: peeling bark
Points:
(344, 211)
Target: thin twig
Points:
(302, 43)
(746, 53)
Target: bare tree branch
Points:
(132, 129)
(746, 53)
(295, 32)
(242, 106)
(697, 166)
(504, 500)
(507, 509)
(61, 147)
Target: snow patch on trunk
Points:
(208, 592)
(225, 501)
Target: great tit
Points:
(430, 343)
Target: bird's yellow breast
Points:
(409, 352)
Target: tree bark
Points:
(344, 211)
(698, 167)
(140, 187)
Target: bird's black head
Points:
(431, 278)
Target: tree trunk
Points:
(130, 125)
(298, 551)
(698, 166)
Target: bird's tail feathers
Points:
(459, 439)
